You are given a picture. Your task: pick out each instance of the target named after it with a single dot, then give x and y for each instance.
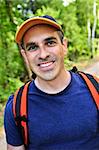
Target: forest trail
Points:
(94, 69)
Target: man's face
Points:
(44, 51)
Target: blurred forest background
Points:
(80, 22)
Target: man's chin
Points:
(50, 76)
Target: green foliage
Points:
(11, 85)
(1, 121)
(45, 10)
(73, 19)
(1, 115)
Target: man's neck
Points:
(54, 86)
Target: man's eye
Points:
(51, 43)
(32, 48)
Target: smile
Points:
(46, 65)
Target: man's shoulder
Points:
(10, 99)
(76, 77)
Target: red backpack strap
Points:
(93, 85)
(20, 105)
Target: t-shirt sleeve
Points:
(13, 136)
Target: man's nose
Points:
(43, 53)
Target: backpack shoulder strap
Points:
(20, 105)
(93, 85)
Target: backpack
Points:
(20, 102)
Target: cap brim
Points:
(31, 22)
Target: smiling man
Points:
(61, 112)
(45, 53)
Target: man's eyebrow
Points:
(30, 43)
(45, 40)
(49, 38)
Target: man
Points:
(61, 112)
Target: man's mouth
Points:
(46, 65)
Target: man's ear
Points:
(23, 53)
(65, 45)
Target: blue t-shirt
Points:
(64, 121)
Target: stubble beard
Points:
(51, 74)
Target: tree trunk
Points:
(89, 33)
(94, 26)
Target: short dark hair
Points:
(61, 35)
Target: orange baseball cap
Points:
(35, 21)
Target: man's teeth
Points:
(46, 64)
